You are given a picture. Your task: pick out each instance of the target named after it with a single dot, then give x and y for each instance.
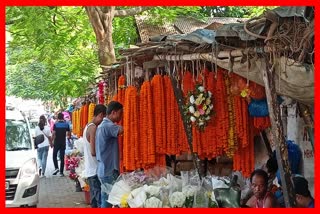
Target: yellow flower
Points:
(197, 114)
(198, 101)
(244, 92)
(208, 101)
(123, 200)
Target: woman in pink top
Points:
(261, 197)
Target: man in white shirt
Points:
(90, 161)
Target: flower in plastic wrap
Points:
(152, 190)
(212, 200)
(153, 202)
(123, 201)
(119, 189)
(189, 192)
(162, 182)
(137, 198)
(177, 199)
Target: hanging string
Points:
(127, 70)
(197, 70)
(115, 83)
(192, 70)
(216, 64)
(248, 67)
(280, 71)
(132, 71)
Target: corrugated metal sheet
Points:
(189, 24)
(147, 31)
(182, 25)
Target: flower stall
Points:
(159, 188)
(205, 105)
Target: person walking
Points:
(43, 148)
(61, 129)
(107, 149)
(90, 161)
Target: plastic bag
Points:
(201, 198)
(258, 108)
(228, 197)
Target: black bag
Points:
(229, 197)
(37, 140)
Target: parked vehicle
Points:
(22, 179)
(33, 124)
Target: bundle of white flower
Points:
(177, 199)
(118, 192)
(137, 198)
(200, 107)
(153, 202)
(152, 190)
(162, 182)
(189, 192)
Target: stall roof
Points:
(291, 44)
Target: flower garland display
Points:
(199, 107)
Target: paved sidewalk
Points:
(58, 191)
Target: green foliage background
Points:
(51, 52)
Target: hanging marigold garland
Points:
(159, 104)
(91, 111)
(146, 126)
(232, 139)
(83, 117)
(130, 125)
(120, 97)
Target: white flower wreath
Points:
(199, 107)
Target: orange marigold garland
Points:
(158, 104)
(131, 124)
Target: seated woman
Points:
(259, 185)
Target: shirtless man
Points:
(261, 197)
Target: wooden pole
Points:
(265, 140)
(187, 126)
(308, 120)
(278, 137)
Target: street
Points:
(58, 191)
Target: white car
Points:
(22, 178)
(33, 124)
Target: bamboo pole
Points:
(278, 137)
(187, 127)
(211, 57)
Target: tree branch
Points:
(130, 12)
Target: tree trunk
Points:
(101, 21)
(278, 136)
